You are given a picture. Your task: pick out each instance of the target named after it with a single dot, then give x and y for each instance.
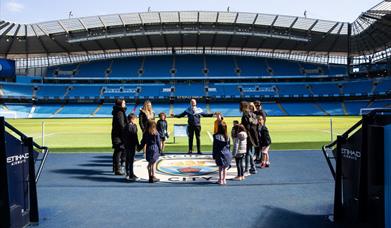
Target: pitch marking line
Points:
(210, 136)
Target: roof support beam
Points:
(11, 42)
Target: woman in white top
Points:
(239, 148)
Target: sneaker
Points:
(199, 153)
(267, 164)
(246, 174)
(253, 172)
(133, 178)
(190, 152)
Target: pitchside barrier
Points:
(18, 193)
(362, 171)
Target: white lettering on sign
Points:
(17, 159)
(350, 154)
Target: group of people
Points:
(251, 139)
(251, 142)
(125, 140)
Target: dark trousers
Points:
(197, 131)
(130, 152)
(257, 153)
(118, 151)
(239, 164)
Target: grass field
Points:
(81, 135)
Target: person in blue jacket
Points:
(194, 115)
(151, 140)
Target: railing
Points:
(42, 148)
(332, 144)
(337, 172)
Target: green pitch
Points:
(80, 135)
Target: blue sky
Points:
(31, 11)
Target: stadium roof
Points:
(370, 32)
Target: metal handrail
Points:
(44, 148)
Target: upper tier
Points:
(195, 66)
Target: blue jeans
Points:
(249, 157)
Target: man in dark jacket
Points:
(131, 142)
(194, 115)
(118, 124)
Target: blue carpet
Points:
(80, 190)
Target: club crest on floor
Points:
(183, 168)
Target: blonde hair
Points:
(252, 107)
(148, 111)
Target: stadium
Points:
(315, 79)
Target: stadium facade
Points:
(296, 66)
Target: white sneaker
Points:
(246, 174)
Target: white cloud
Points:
(14, 6)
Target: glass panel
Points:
(303, 23)
(51, 27)
(130, 19)
(188, 16)
(22, 31)
(246, 18)
(150, 18)
(209, 17)
(72, 24)
(167, 17)
(111, 20)
(37, 30)
(91, 22)
(226, 17)
(265, 19)
(323, 26)
(30, 31)
(12, 31)
(284, 21)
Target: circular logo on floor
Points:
(183, 168)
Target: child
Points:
(151, 140)
(218, 121)
(233, 130)
(162, 130)
(130, 139)
(240, 148)
(264, 142)
(221, 152)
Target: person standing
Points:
(239, 150)
(162, 130)
(264, 142)
(221, 152)
(131, 143)
(194, 115)
(146, 114)
(249, 121)
(151, 140)
(118, 123)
